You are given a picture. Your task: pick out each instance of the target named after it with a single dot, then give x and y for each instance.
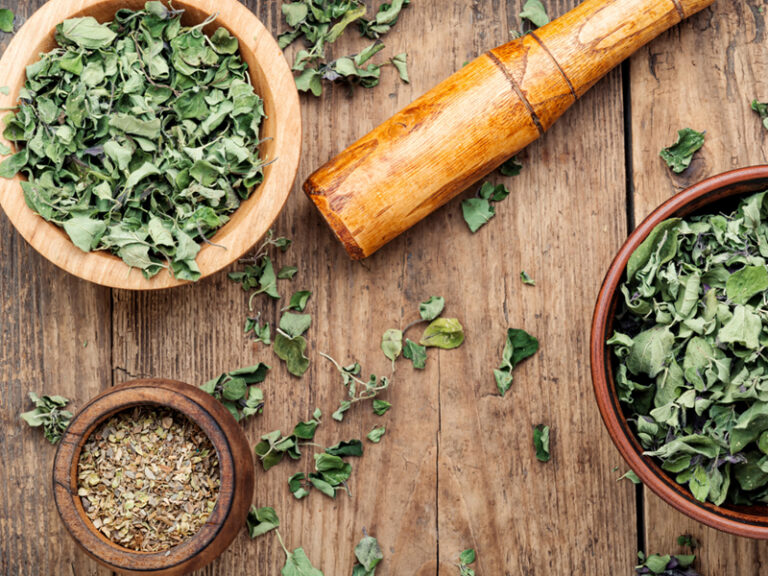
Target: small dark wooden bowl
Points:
(707, 196)
(235, 465)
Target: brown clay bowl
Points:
(272, 80)
(235, 465)
(707, 196)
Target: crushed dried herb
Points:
(148, 478)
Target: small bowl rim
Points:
(233, 500)
(728, 518)
(254, 216)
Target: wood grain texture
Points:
(281, 133)
(703, 74)
(470, 123)
(456, 467)
(427, 491)
(55, 334)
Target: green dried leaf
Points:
(416, 354)
(291, 351)
(297, 485)
(743, 284)
(85, 32)
(432, 308)
(85, 232)
(236, 390)
(631, 476)
(376, 434)
(511, 167)
(477, 212)
(368, 553)
(466, 558)
(392, 344)
(49, 414)
(527, 279)
(762, 109)
(261, 520)
(678, 156)
(400, 62)
(446, 333)
(261, 333)
(295, 324)
(541, 442)
(518, 346)
(350, 448)
(306, 430)
(6, 20)
(535, 13)
(287, 273)
(297, 564)
(380, 407)
(299, 300)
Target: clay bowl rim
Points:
(273, 80)
(234, 497)
(738, 520)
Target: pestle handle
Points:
(472, 122)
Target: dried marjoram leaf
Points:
(50, 414)
(138, 136)
(689, 351)
(148, 478)
(320, 24)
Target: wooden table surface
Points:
(456, 468)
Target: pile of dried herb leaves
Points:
(691, 370)
(322, 22)
(139, 136)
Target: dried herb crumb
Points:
(148, 478)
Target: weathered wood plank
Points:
(703, 74)
(55, 332)
(563, 221)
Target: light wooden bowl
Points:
(235, 465)
(273, 81)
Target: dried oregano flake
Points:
(148, 478)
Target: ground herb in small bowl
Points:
(691, 369)
(139, 136)
(148, 478)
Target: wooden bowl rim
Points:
(233, 501)
(257, 214)
(738, 520)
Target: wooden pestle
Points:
(488, 111)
